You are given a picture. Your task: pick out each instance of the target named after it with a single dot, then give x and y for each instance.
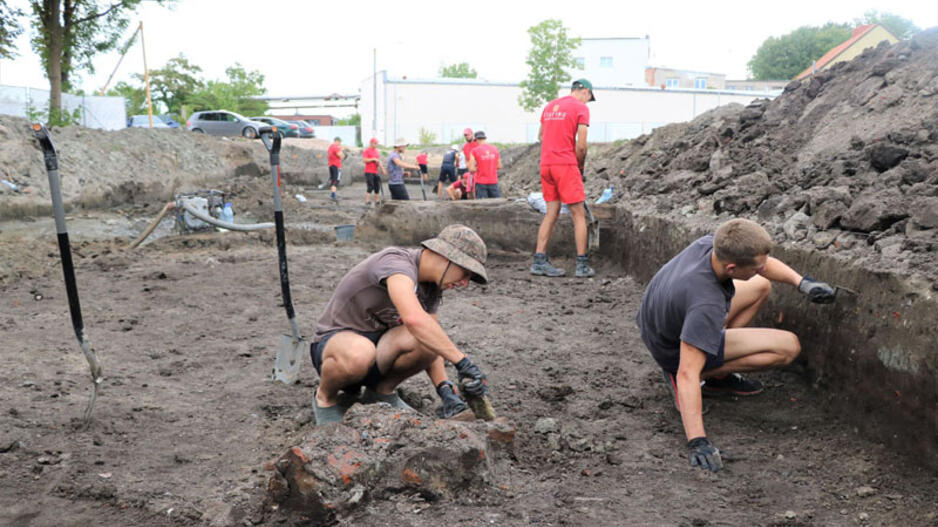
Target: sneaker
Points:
(542, 267)
(370, 396)
(327, 414)
(583, 269)
(733, 383)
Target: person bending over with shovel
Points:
(380, 326)
(693, 320)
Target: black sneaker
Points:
(734, 384)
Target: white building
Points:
(612, 61)
(392, 108)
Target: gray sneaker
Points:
(327, 414)
(370, 397)
(583, 269)
(542, 267)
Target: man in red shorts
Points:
(564, 123)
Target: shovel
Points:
(423, 189)
(65, 250)
(592, 234)
(287, 364)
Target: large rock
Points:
(874, 211)
(883, 156)
(378, 451)
(926, 212)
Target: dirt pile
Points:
(378, 452)
(846, 161)
(135, 165)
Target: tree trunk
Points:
(52, 22)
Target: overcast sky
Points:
(330, 45)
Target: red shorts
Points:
(563, 182)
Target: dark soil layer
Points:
(186, 329)
(845, 162)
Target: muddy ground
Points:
(186, 328)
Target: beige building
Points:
(868, 36)
(670, 78)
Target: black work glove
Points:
(452, 404)
(818, 292)
(474, 378)
(704, 455)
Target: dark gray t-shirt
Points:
(684, 301)
(361, 301)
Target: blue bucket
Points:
(344, 233)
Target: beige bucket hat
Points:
(401, 142)
(462, 246)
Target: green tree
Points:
(135, 98)
(458, 71)
(788, 55)
(174, 83)
(902, 28)
(550, 59)
(69, 33)
(233, 95)
(9, 29)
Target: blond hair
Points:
(740, 241)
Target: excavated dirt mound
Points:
(846, 161)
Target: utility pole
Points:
(146, 76)
(374, 93)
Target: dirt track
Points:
(186, 329)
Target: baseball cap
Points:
(467, 131)
(454, 147)
(374, 140)
(462, 246)
(583, 83)
(480, 135)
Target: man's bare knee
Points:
(764, 288)
(791, 348)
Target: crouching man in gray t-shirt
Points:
(380, 326)
(693, 317)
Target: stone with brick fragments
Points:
(377, 451)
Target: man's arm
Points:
(688, 390)
(400, 162)
(581, 131)
(777, 271)
(421, 324)
(472, 163)
(540, 133)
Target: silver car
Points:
(222, 122)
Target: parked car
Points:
(223, 122)
(305, 130)
(143, 121)
(169, 121)
(284, 128)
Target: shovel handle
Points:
(271, 140)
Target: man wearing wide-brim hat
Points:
(396, 166)
(380, 326)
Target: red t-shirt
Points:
(335, 155)
(460, 185)
(422, 159)
(371, 167)
(559, 122)
(467, 149)
(486, 157)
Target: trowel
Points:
(287, 364)
(65, 250)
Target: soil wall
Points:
(872, 355)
